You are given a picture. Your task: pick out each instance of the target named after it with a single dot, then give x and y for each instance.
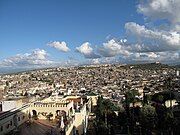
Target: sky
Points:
(47, 33)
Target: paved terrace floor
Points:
(36, 128)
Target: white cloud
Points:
(157, 40)
(142, 44)
(167, 57)
(123, 40)
(37, 58)
(61, 46)
(113, 48)
(85, 48)
(161, 9)
(37, 54)
(87, 51)
(145, 43)
(95, 61)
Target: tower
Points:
(177, 73)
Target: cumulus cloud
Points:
(130, 53)
(123, 40)
(166, 57)
(169, 56)
(95, 61)
(113, 48)
(37, 58)
(161, 9)
(61, 46)
(144, 43)
(157, 40)
(87, 51)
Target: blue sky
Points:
(28, 26)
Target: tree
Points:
(104, 115)
(109, 109)
(161, 97)
(122, 116)
(7, 83)
(170, 121)
(131, 96)
(49, 116)
(99, 108)
(161, 114)
(100, 127)
(148, 117)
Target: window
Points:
(18, 118)
(23, 117)
(11, 123)
(1, 128)
(7, 126)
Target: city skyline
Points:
(38, 34)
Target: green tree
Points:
(170, 121)
(49, 116)
(104, 115)
(148, 117)
(161, 97)
(131, 96)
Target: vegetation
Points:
(49, 116)
(104, 116)
(152, 118)
(35, 117)
(131, 97)
(148, 117)
(161, 97)
(91, 94)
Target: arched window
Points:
(19, 118)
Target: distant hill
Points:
(11, 71)
(150, 66)
(177, 66)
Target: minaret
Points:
(177, 73)
(62, 130)
(77, 106)
(81, 101)
(62, 123)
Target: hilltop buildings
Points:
(66, 96)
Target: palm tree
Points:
(49, 116)
(148, 120)
(105, 109)
(130, 97)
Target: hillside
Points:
(150, 66)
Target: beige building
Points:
(74, 110)
(1, 91)
(12, 119)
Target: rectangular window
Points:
(7, 126)
(1, 128)
(11, 123)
